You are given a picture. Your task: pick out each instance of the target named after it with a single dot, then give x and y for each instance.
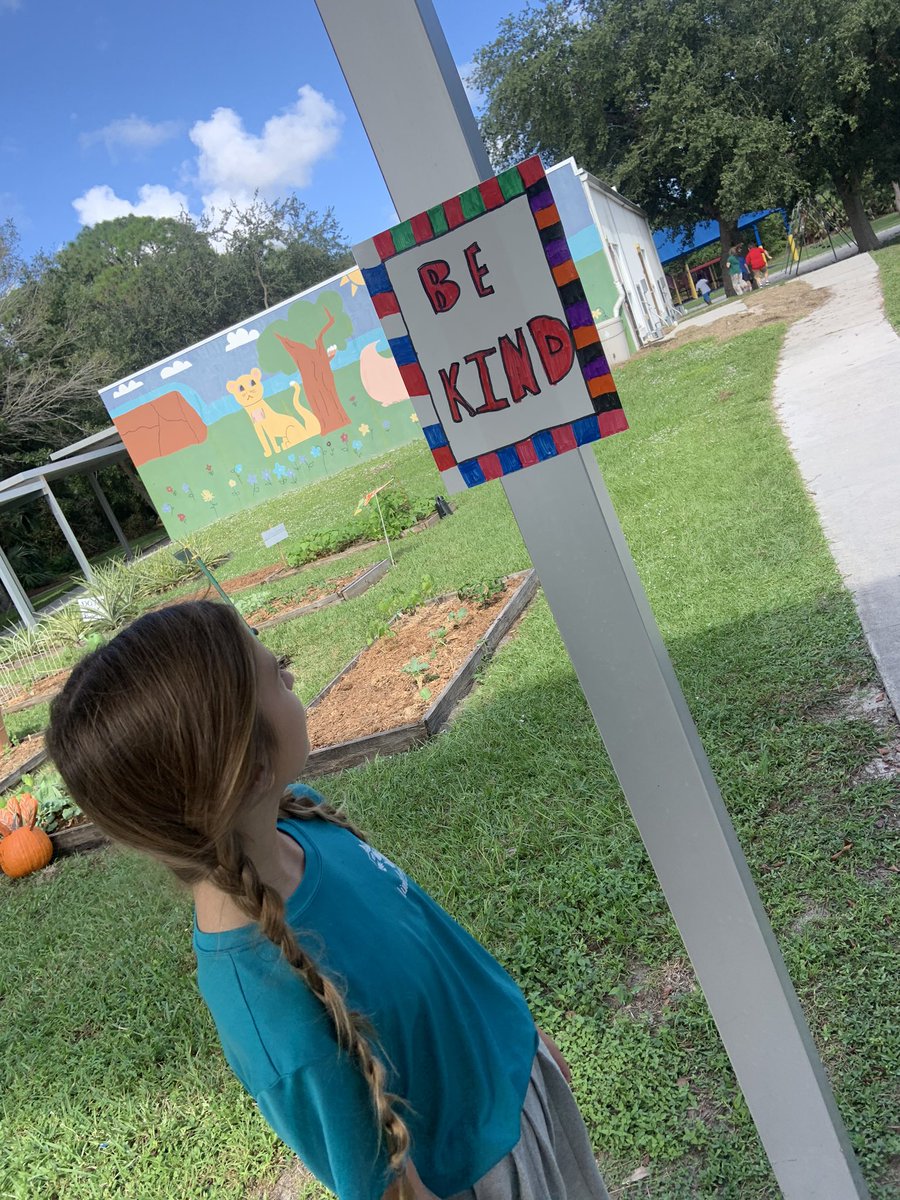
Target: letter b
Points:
(439, 287)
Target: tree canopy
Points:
(701, 109)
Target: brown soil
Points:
(377, 694)
(15, 757)
(41, 688)
(238, 584)
(787, 302)
(281, 604)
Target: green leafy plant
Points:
(54, 803)
(377, 629)
(251, 602)
(482, 592)
(419, 669)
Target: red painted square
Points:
(454, 213)
(444, 458)
(491, 194)
(414, 379)
(421, 227)
(612, 422)
(563, 438)
(527, 453)
(490, 465)
(385, 304)
(384, 244)
(531, 170)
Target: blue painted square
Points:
(471, 472)
(544, 444)
(403, 351)
(435, 436)
(586, 429)
(377, 280)
(509, 460)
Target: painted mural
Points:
(292, 395)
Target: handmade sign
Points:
(487, 320)
(271, 537)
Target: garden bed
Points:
(333, 591)
(17, 760)
(401, 690)
(38, 692)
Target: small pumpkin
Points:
(23, 846)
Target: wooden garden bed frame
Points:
(328, 759)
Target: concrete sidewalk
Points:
(837, 395)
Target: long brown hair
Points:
(158, 737)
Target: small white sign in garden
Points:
(273, 536)
(488, 322)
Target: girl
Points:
(379, 1040)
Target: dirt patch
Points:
(787, 302)
(41, 689)
(653, 990)
(238, 584)
(15, 757)
(286, 1187)
(377, 693)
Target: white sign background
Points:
(511, 249)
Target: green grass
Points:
(888, 261)
(111, 1081)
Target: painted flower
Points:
(364, 429)
(357, 445)
(414, 417)
(182, 517)
(207, 495)
(290, 474)
(292, 458)
(209, 468)
(232, 483)
(167, 508)
(385, 424)
(303, 459)
(345, 437)
(186, 488)
(267, 476)
(316, 452)
(238, 468)
(171, 491)
(251, 479)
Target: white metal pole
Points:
(407, 89)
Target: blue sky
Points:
(110, 107)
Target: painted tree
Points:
(302, 343)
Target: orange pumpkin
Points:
(23, 847)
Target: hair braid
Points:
(237, 875)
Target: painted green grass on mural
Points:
(513, 820)
(196, 491)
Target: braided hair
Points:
(166, 773)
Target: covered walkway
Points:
(86, 457)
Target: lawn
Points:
(112, 1084)
(888, 261)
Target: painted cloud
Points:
(124, 388)
(240, 337)
(175, 368)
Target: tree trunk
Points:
(896, 186)
(728, 236)
(848, 188)
(314, 366)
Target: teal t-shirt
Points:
(455, 1032)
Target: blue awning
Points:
(673, 243)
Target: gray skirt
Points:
(553, 1159)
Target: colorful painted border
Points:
(526, 178)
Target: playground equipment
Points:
(815, 219)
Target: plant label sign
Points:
(489, 325)
(273, 536)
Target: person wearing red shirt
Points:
(757, 261)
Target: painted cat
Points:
(273, 427)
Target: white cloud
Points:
(233, 163)
(101, 203)
(124, 388)
(240, 337)
(175, 368)
(132, 133)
